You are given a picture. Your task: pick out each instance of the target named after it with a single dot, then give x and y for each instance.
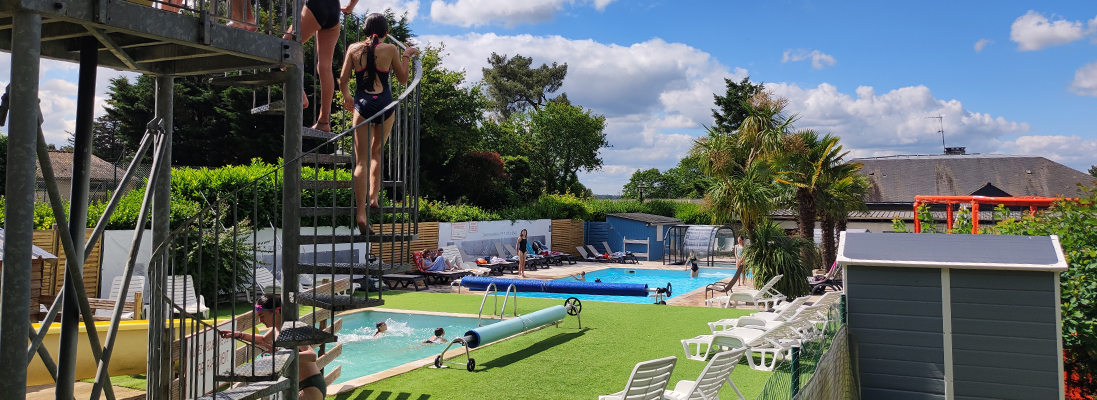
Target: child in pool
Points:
(438, 337)
(381, 328)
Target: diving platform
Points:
(135, 36)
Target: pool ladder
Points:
(494, 291)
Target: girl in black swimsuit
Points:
(520, 247)
(372, 61)
(321, 18)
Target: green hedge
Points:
(195, 188)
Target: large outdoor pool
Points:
(680, 281)
(364, 354)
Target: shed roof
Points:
(650, 219)
(61, 161)
(37, 252)
(897, 179)
(1032, 253)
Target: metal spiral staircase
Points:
(218, 253)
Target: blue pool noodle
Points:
(576, 287)
(503, 329)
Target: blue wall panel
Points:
(620, 228)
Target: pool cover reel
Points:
(594, 288)
(507, 328)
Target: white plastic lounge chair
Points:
(781, 315)
(775, 342)
(499, 249)
(763, 296)
(181, 291)
(648, 381)
(137, 284)
(264, 284)
(708, 385)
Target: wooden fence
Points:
(566, 235)
(53, 271)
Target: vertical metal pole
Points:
(159, 363)
(291, 205)
(794, 386)
(78, 217)
(19, 211)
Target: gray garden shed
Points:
(955, 316)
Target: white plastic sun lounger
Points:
(137, 284)
(181, 291)
(708, 385)
(774, 341)
(765, 295)
(648, 381)
(783, 315)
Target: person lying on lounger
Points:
(438, 337)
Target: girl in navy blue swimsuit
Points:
(321, 18)
(372, 61)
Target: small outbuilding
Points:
(955, 316)
(634, 227)
(37, 261)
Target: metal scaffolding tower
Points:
(167, 40)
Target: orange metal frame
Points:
(1031, 201)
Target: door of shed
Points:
(955, 316)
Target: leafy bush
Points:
(771, 252)
(1073, 222)
(437, 211)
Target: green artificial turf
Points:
(559, 363)
(135, 382)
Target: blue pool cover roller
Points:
(576, 287)
(503, 329)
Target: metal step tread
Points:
(349, 268)
(385, 237)
(337, 302)
(255, 81)
(313, 158)
(316, 133)
(275, 108)
(295, 333)
(252, 391)
(330, 184)
(262, 369)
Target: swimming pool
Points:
(680, 281)
(364, 354)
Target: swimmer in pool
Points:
(381, 328)
(582, 276)
(438, 337)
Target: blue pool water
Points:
(364, 354)
(680, 281)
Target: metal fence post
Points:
(795, 372)
(842, 309)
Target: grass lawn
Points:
(559, 363)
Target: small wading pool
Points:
(679, 280)
(364, 354)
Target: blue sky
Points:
(1008, 77)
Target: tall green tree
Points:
(1093, 171)
(449, 118)
(805, 159)
(841, 190)
(567, 140)
(514, 86)
(646, 183)
(734, 106)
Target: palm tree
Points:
(773, 253)
(806, 159)
(843, 191)
(740, 163)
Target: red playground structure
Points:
(1033, 202)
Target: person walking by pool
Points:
(692, 261)
(438, 337)
(381, 328)
(269, 310)
(739, 247)
(520, 247)
(371, 61)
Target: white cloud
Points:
(1085, 80)
(399, 7)
(981, 44)
(648, 100)
(819, 60)
(893, 122)
(1074, 151)
(1033, 31)
(58, 96)
(509, 13)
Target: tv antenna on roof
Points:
(940, 128)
